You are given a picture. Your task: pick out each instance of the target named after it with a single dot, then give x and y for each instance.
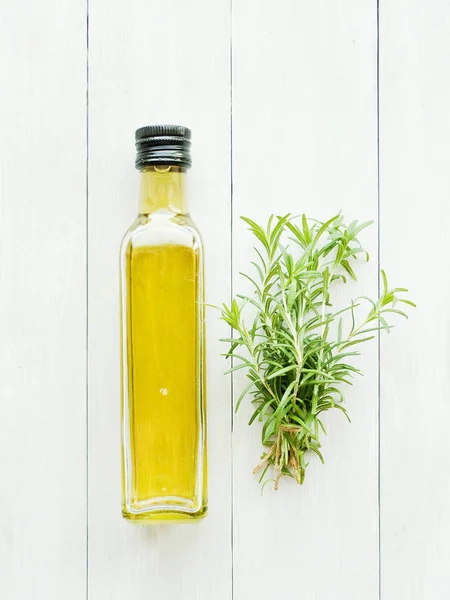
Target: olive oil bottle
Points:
(163, 376)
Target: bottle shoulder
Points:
(162, 228)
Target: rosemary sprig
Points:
(297, 349)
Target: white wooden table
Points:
(294, 106)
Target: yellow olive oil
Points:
(163, 407)
(162, 350)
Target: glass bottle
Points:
(162, 316)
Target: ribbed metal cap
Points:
(163, 145)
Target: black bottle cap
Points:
(163, 145)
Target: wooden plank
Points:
(415, 211)
(305, 139)
(43, 300)
(151, 62)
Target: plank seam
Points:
(379, 291)
(87, 299)
(231, 296)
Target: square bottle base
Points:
(165, 516)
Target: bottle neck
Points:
(163, 188)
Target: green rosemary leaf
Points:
(306, 231)
(357, 341)
(282, 371)
(258, 268)
(339, 334)
(296, 351)
(243, 365)
(257, 231)
(297, 233)
(356, 227)
(242, 396)
(397, 311)
(385, 283)
(348, 268)
(252, 281)
(407, 302)
(324, 227)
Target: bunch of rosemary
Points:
(297, 347)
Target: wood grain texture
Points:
(151, 62)
(304, 108)
(43, 300)
(415, 214)
(305, 140)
